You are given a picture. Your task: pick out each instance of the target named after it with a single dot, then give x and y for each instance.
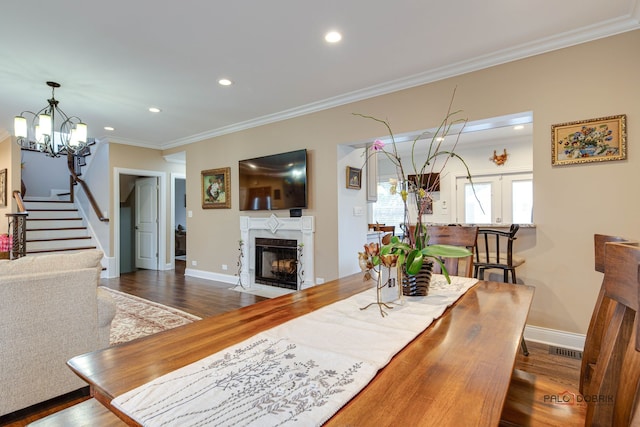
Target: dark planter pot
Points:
(418, 284)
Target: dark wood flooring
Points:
(207, 298)
(201, 297)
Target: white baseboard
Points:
(554, 337)
(109, 263)
(218, 277)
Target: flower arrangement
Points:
(414, 248)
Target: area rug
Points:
(137, 317)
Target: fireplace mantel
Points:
(302, 229)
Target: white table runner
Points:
(298, 373)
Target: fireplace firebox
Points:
(276, 262)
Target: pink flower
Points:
(377, 145)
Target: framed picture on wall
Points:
(216, 188)
(593, 140)
(354, 176)
(3, 188)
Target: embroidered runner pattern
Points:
(262, 382)
(298, 373)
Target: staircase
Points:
(55, 226)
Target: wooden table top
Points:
(456, 372)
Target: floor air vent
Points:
(559, 351)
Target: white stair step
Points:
(55, 213)
(53, 223)
(58, 244)
(58, 233)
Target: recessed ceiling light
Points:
(154, 109)
(518, 127)
(225, 82)
(109, 128)
(333, 37)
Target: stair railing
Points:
(75, 179)
(18, 228)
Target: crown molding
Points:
(586, 34)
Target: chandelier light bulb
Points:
(73, 139)
(81, 132)
(20, 126)
(44, 120)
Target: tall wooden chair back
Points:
(455, 236)
(616, 374)
(602, 312)
(610, 393)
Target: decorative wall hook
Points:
(499, 159)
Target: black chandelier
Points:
(43, 135)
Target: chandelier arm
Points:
(61, 113)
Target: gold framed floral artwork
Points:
(354, 178)
(216, 188)
(593, 140)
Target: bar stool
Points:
(494, 250)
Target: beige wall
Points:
(571, 202)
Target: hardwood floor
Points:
(207, 298)
(201, 297)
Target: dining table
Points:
(455, 372)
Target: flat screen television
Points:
(278, 181)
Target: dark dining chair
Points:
(495, 251)
(609, 391)
(387, 229)
(463, 236)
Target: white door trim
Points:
(162, 214)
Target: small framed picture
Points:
(354, 176)
(593, 140)
(216, 188)
(3, 188)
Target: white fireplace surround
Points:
(301, 229)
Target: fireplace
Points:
(297, 232)
(276, 262)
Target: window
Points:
(388, 209)
(498, 199)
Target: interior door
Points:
(146, 223)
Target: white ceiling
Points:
(117, 58)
